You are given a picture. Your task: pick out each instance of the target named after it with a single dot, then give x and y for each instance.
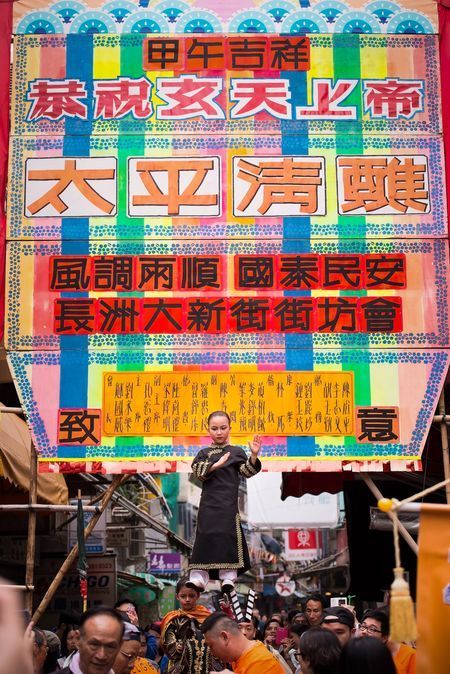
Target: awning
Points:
(15, 448)
(142, 588)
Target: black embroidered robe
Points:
(219, 541)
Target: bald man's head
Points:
(223, 636)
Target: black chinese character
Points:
(112, 273)
(295, 313)
(380, 314)
(200, 272)
(203, 314)
(161, 307)
(163, 52)
(118, 315)
(377, 424)
(156, 273)
(77, 426)
(204, 50)
(250, 314)
(385, 271)
(339, 314)
(299, 271)
(289, 53)
(255, 272)
(342, 271)
(72, 316)
(247, 53)
(70, 273)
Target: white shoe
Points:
(196, 586)
(227, 586)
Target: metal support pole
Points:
(43, 507)
(31, 538)
(401, 528)
(444, 440)
(116, 482)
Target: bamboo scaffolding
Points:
(116, 482)
(444, 441)
(43, 507)
(31, 536)
(401, 528)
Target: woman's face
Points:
(219, 429)
(271, 631)
(143, 648)
(188, 598)
(72, 640)
(295, 638)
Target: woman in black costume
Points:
(220, 550)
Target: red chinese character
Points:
(393, 98)
(253, 96)
(326, 101)
(190, 96)
(55, 98)
(116, 98)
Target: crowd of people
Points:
(195, 639)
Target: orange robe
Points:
(405, 660)
(257, 660)
(142, 666)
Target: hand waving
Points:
(255, 446)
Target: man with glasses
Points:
(376, 624)
(128, 651)
(101, 631)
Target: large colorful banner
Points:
(234, 16)
(251, 222)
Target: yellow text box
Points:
(269, 403)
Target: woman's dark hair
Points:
(68, 628)
(218, 413)
(366, 655)
(321, 648)
(292, 613)
(299, 629)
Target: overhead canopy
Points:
(15, 449)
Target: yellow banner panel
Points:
(273, 403)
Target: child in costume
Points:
(181, 638)
(220, 550)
